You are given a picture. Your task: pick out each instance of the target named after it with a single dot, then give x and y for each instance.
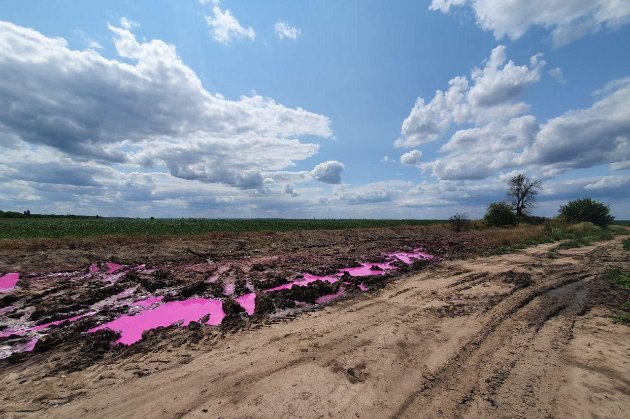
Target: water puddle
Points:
(8, 281)
(248, 302)
(149, 311)
(167, 314)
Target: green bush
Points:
(500, 214)
(586, 209)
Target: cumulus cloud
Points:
(328, 172)
(567, 20)
(581, 138)
(225, 28)
(411, 158)
(285, 31)
(558, 75)
(151, 112)
(491, 94)
(586, 137)
(476, 153)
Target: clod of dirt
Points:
(264, 304)
(158, 280)
(518, 279)
(311, 293)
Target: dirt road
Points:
(526, 334)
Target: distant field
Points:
(23, 228)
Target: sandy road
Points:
(518, 335)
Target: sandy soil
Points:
(527, 334)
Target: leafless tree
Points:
(522, 193)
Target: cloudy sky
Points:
(300, 108)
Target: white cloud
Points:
(557, 74)
(411, 158)
(587, 137)
(568, 20)
(490, 95)
(285, 31)
(226, 28)
(328, 172)
(151, 112)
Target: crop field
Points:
(61, 227)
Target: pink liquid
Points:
(132, 327)
(308, 278)
(30, 345)
(5, 310)
(363, 287)
(326, 298)
(20, 332)
(8, 281)
(409, 257)
(366, 269)
(113, 267)
(248, 302)
(94, 268)
(147, 302)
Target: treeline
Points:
(28, 214)
(521, 198)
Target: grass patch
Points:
(624, 317)
(50, 227)
(576, 235)
(617, 276)
(626, 244)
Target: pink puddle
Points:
(113, 267)
(29, 346)
(308, 278)
(408, 257)
(21, 332)
(366, 269)
(8, 281)
(94, 268)
(147, 302)
(132, 327)
(5, 310)
(248, 302)
(326, 298)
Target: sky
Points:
(311, 109)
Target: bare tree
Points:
(522, 193)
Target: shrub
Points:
(586, 209)
(500, 214)
(459, 222)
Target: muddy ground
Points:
(527, 334)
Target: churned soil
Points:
(525, 334)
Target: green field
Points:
(24, 228)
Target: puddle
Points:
(23, 331)
(113, 267)
(8, 281)
(149, 311)
(366, 269)
(147, 302)
(248, 302)
(327, 298)
(167, 314)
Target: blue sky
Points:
(311, 108)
